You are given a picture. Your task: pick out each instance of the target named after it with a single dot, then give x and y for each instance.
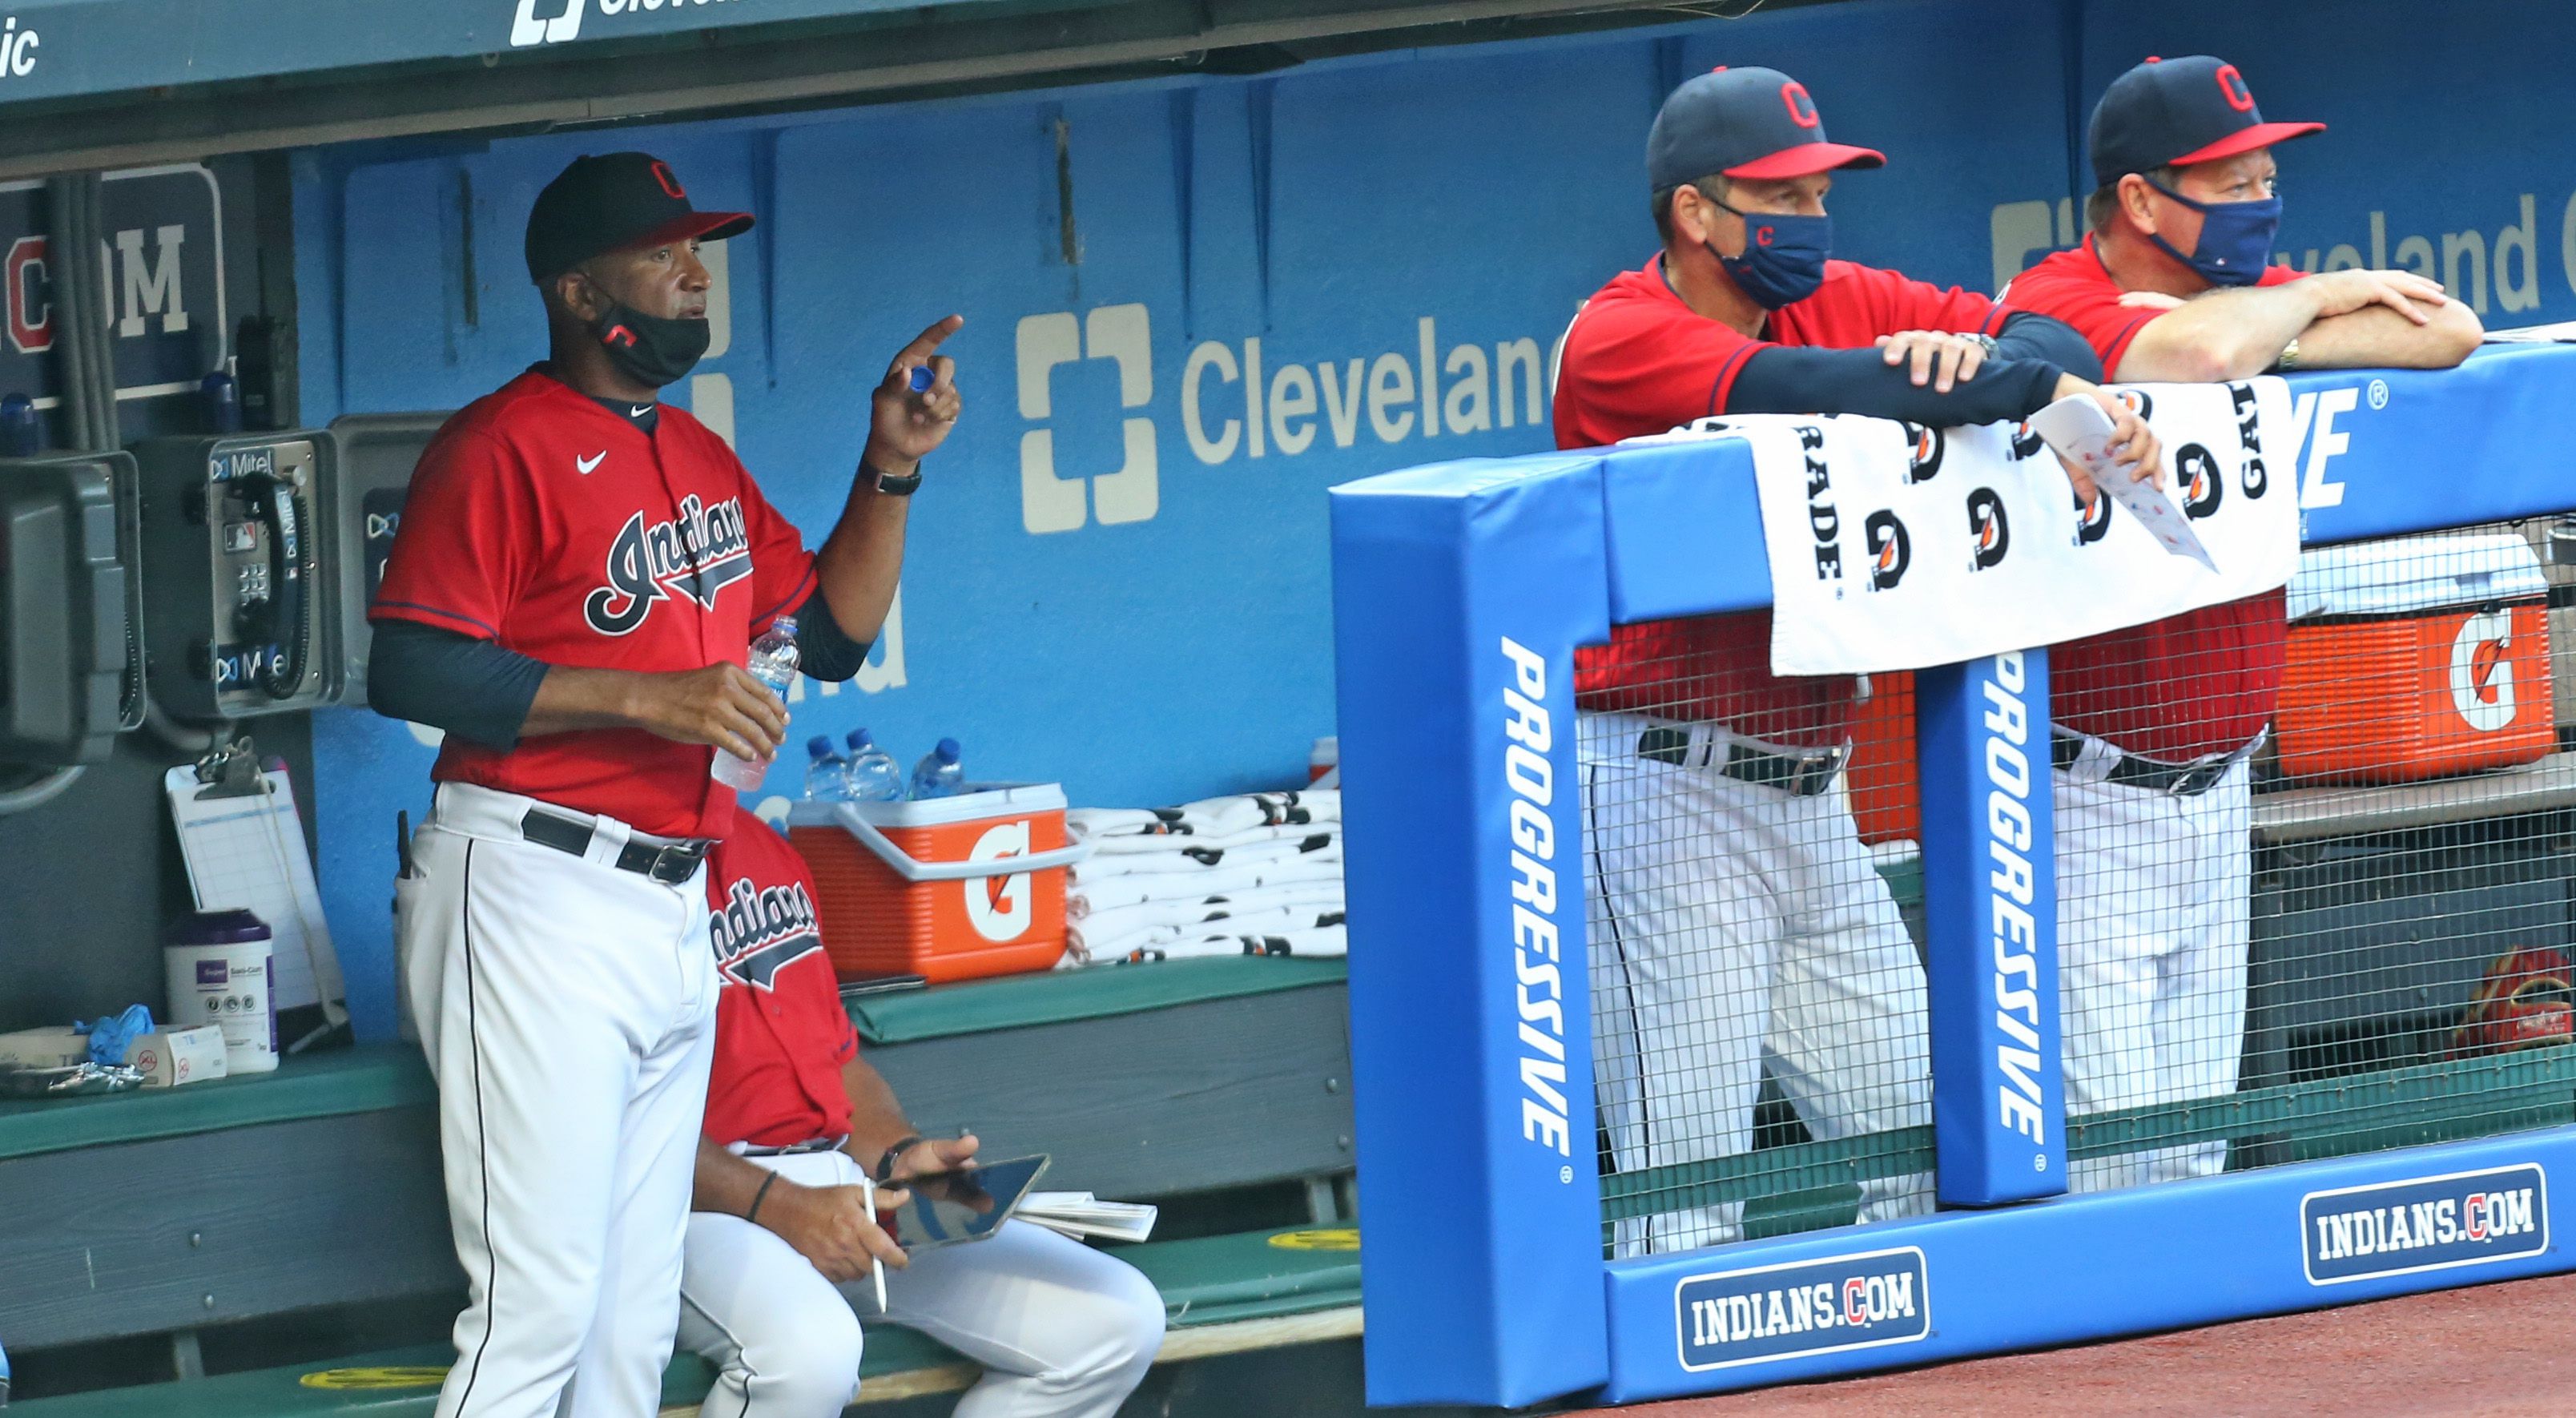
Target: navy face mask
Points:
(1784, 256)
(2235, 239)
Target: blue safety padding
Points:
(2382, 452)
(1990, 912)
(1469, 1030)
(2078, 1268)
(1685, 530)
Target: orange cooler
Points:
(949, 889)
(2416, 658)
(1886, 782)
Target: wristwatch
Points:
(888, 483)
(894, 1154)
(1984, 342)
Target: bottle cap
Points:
(820, 746)
(784, 625)
(859, 739)
(948, 751)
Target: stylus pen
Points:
(876, 1267)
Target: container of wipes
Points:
(221, 974)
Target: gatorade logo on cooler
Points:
(2482, 671)
(998, 906)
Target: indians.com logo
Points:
(761, 930)
(2425, 1223)
(1774, 1312)
(559, 21)
(696, 554)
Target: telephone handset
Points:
(278, 618)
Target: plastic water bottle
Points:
(827, 774)
(874, 775)
(773, 663)
(4, 1378)
(939, 774)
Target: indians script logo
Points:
(696, 554)
(2093, 523)
(1925, 457)
(1891, 550)
(2202, 488)
(1986, 523)
(762, 930)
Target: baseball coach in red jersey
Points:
(572, 594)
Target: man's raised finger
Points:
(928, 341)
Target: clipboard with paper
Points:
(242, 840)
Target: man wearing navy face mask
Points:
(1734, 915)
(2155, 723)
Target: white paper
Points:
(248, 852)
(2076, 428)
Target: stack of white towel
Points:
(1258, 874)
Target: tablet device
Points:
(950, 1207)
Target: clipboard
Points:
(242, 840)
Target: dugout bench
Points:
(318, 1186)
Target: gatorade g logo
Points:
(1050, 502)
(2093, 523)
(2482, 671)
(1989, 527)
(2139, 401)
(998, 906)
(2026, 444)
(1890, 549)
(1929, 446)
(2202, 488)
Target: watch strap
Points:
(894, 1154)
(889, 483)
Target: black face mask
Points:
(650, 349)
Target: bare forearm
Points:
(862, 560)
(876, 1119)
(2224, 334)
(2380, 338)
(726, 1183)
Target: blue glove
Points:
(108, 1038)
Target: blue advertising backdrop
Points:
(1192, 305)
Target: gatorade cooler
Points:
(1886, 782)
(948, 889)
(2416, 658)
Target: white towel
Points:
(1206, 818)
(1087, 897)
(1308, 897)
(1097, 944)
(1249, 837)
(1322, 941)
(1198, 859)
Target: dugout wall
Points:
(1462, 591)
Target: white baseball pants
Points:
(2154, 918)
(568, 1012)
(1062, 1330)
(1730, 924)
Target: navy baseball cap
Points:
(2175, 112)
(611, 202)
(1756, 123)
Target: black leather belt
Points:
(1800, 775)
(2182, 780)
(672, 865)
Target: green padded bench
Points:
(1221, 1293)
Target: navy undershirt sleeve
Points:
(825, 651)
(2027, 334)
(1785, 379)
(472, 688)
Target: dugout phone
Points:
(71, 652)
(262, 552)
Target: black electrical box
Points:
(71, 658)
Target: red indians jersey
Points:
(541, 521)
(781, 1033)
(1638, 361)
(2198, 683)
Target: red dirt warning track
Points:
(2490, 1351)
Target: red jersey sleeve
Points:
(471, 533)
(1634, 367)
(1903, 303)
(782, 570)
(2091, 306)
